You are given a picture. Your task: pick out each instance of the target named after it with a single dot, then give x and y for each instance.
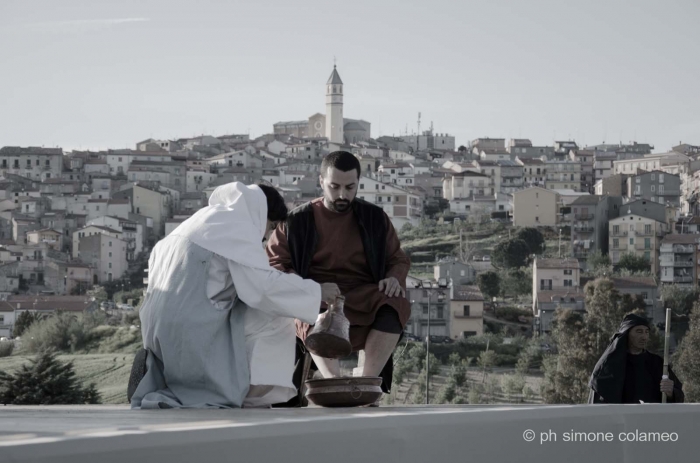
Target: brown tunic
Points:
(340, 258)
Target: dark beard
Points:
(338, 206)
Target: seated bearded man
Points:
(342, 239)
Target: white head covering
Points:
(232, 225)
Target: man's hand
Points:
(329, 291)
(667, 387)
(391, 287)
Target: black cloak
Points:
(608, 378)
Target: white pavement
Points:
(501, 434)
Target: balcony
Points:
(682, 279)
(588, 216)
(650, 233)
(581, 254)
(678, 249)
(589, 229)
(618, 233)
(683, 263)
(643, 247)
(619, 247)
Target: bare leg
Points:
(329, 368)
(378, 349)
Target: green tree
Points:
(513, 386)
(489, 284)
(580, 340)
(99, 293)
(533, 238)
(679, 299)
(487, 359)
(566, 374)
(633, 263)
(45, 381)
(599, 264)
(512, 253)
(24, 321)
(687, 358)
(447, 393)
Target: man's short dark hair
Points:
(341, 160)
(276, 209)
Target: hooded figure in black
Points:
(627, 373)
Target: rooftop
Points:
(558, 263)
(467, 293)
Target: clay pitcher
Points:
(330, 337)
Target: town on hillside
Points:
(502, 234)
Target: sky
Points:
(94, 74)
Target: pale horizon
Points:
(96, 76)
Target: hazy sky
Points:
(107, 74)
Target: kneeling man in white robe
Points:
(217, 320)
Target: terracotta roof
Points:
(586, 200)
(107, 229)
(558, 263)
(467, 293)
(27, 302)
(681, 239)
(557, 295)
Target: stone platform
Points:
(105, 434)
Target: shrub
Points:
(45, 381)
(6, 348)
(63, 331)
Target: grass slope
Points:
(109, 372)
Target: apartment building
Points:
(586, 158)
(535, 207)
(679, 260)
(656, 186)
(466, 312)
(589, 228)
(563, 175)
(534, 172)
(638, 235)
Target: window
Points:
(568, 272)
(637, 180)
(616, 243)
(440, 311)
(661, 189)
(647, 228)
(425, 309)
(616, 229)
(647, 243)
(110, 253)
(110, 244)
(568, 283)
(465, 311)
(661, 178)
(537, 219)
(645, 295)
(362, 186)
(461, 273)
(647, 256)
(631, 240)
(110, 265)
(425, 293)
(653, 188)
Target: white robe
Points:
(274, 299)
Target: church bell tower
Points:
(334, 108)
